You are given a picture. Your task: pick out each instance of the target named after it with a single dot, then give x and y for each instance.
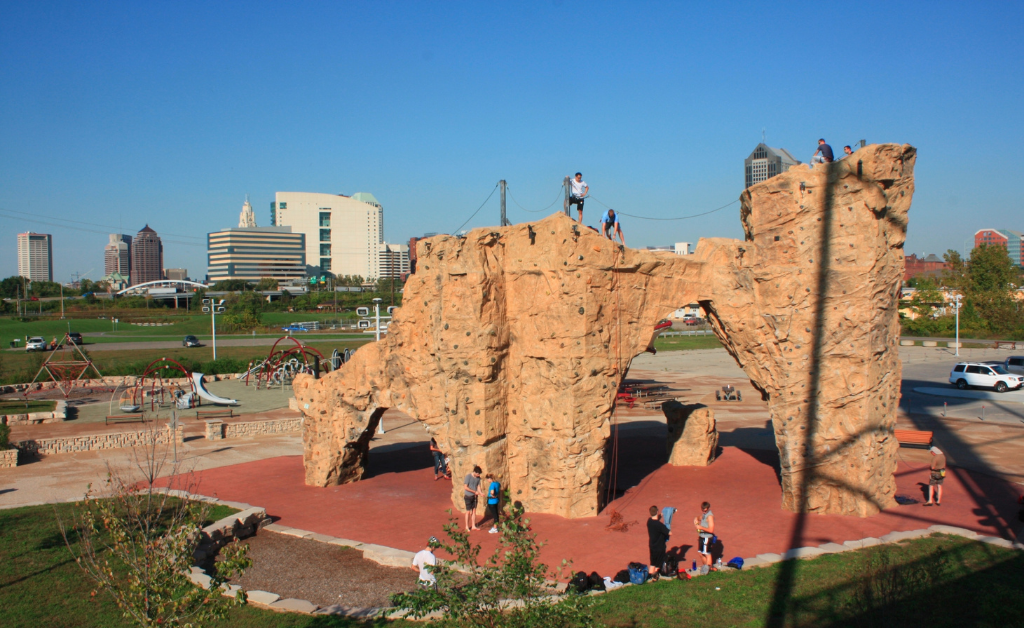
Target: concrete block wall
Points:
(119, 440)
(59, 414)
(262, 428)
(8, 458)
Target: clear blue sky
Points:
(169, 113)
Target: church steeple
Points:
(247, 218)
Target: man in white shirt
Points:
(423, 558)
(578, 189)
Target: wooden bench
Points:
(124, 418)
(655, 401)
(217, 412)
(913, 438)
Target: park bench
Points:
(216, 412)
(124, 418)
(655, 401)
(913, 438)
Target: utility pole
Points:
(214, 309)
(956, 308)
(565, 204)
(504, 220)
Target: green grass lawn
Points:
(934, 582)
(686, 343)
(13, 406)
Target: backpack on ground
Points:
(670, 568)
(622, 576)
(580, 582)
(637, 573)
(596, 582)
(736, 563)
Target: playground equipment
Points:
(66, 364)
(281, 366)
(155, 387)
(200, 388)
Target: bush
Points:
(5, 436)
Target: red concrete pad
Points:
(401, 505)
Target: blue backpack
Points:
(637, 573)
(736, 563)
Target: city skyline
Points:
(166, 115)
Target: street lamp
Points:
(214, 309)
(376, 312)
(956, 308)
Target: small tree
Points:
(137, 544)
(512, 589)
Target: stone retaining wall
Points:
(217, 429)
(118, 440)
(58, 414)
(8, 458)
(109, 381)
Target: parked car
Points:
(992, 376)
(1014, 364)
(190, 341)
(692, 320)
(36, 343)
(75, 337)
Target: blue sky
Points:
(169, 113)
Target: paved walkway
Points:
(950, 391)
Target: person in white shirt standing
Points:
(423, 558)
(578, 189)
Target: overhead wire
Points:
(561, 193)
(4, 214)
(677, 218)
(456, 232)
(32, 216)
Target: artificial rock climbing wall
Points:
(511, 342)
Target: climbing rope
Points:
(456, 232)
(678, 218)
(561, 193)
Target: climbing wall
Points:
(511, 342)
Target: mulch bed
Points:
(322, 573)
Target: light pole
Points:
(956, 308)
(214, 309)
(376, 312)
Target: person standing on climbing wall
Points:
(610, 226)
(578, 190)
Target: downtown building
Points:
(394, 261)
(342, 233)
(1012, 241)
(35, 256)
(766, 162)
(252, 253)
(117, 255)
(147, 257)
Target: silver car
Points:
(984, 376)
(36, 343)
(1014, 364)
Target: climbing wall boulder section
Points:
(692, 437)
(511, 342)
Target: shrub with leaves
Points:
(513, 589)
(137, 544)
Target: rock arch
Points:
(511, 342)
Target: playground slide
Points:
(197, 379)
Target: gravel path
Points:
(322, 573)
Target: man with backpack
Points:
(657, 541)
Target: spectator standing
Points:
(578, 190)
(440, 468)
(610, 226)
(471, 493)
(493, 500)
(705, 525)
(823, 155)
(657, 541)
(938, 476)
(422, 559)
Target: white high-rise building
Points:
(247, 219)
(343, 233)
(35, 256)
(394, 261)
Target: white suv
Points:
(36, 343)
(985, 375)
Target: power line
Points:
(79, 222)
(535, 211)
(679, 218)
(4, 214)
(456, 232)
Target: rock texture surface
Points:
(511, 342)
(692, 438)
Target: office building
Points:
(35, 256)
(394, 261)
(931, 266)
(176, 274)
(343, 233)
(115, 281)
(679, 248)
(147, 257)
(1012, 241)
(247, 219)
(252, 253)
(766, 162)
(117, 255)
